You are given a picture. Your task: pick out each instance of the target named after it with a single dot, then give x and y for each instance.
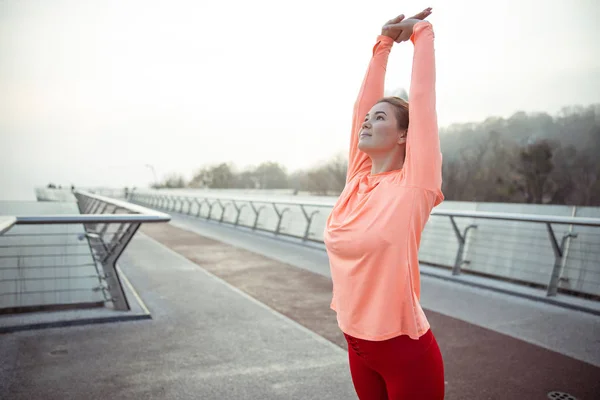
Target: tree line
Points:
(526, 158)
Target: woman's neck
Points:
(386, 162)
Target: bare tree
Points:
(534, 167)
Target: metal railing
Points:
(56, 260)
(236, 212)
(558, 247)
(537, 250)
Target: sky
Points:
(93, 93)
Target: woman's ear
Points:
(402, 136)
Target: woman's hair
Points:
(401, 107)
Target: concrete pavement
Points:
(229, 323)
(480, 363)
(207, 340)
(569, 332)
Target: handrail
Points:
(541, 218)
(581, 221)
(134, 208)
(225, 198)
(139, 214)
(6, 222)
(90, 219)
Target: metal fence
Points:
(50, 261)
(558, 253)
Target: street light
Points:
(153, 173)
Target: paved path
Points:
(229, 323)
(480, 363)
(207, 340)
(572, 333)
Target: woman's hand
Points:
(400, 29)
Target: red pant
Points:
(398, 368)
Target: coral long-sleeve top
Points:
(373, 233)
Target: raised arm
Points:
(370, 92)
(372, 87)
(423, 162)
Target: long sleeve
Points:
(370, 92)
(423, 164)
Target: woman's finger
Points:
(395, 20)
(423, 14)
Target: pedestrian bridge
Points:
(187, 296)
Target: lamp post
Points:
(153, 173)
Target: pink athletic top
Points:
(374, 230)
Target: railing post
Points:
(280, 216)
(110, 268)
(223, 208)
(107, 255)
(256, 213)
(98, 255)
(181, 205)
(558, 258)
(189, 205)
(239, 212)
(309, 219)
(218, 201)
(462, 239)
(199, 207)
(116, 237)
(210, 206)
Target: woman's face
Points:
(380, 132)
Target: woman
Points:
(373, 232)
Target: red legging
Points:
(397, 368)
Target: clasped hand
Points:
(400, 29)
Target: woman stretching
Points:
(374, 230)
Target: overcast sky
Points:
(93, 91)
